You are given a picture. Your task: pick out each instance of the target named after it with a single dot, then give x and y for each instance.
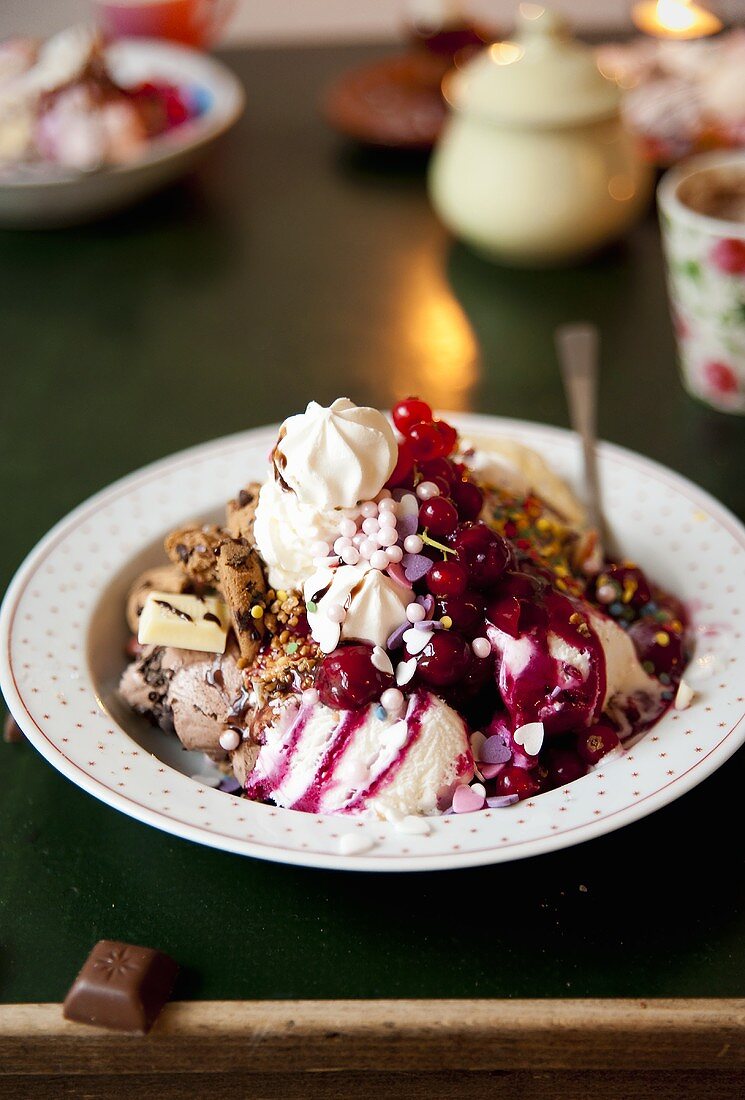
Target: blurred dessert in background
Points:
(60, 105)
(681, 97)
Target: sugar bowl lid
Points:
(543, 77)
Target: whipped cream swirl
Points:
(335, 457)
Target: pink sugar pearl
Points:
(347, 528)
(425, 490)
(341, 545)
(310, 697)
(350, 555)
(336, 613)
(387, 504)
(392, 700)
(395, 553)
(481, 647)
(230, 740)
(415, 613)
(387, 536)
(368, 548)
(379, 559)
(413, 544)
(387, 519)
(370, 526)
(369, 509)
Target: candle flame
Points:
(675, 15)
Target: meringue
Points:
(374, 604)
(335, 457)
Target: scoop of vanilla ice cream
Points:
(336, 457)
(624, 675)
(285, 530)
(375, 605)
(329, 761)
(515, 468)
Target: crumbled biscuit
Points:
(193, 549)
(241, 513)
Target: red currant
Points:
(404, 465)
(468, 499)
(438, 516)
(483, 552)
(347, 678)
(425, 441)
(444, 660)
(447, 578)
(629, 581)
(658, 645)
(593, 744)
(515, 780)
(448, 435)
(410, 412)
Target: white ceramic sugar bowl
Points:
(534, 166)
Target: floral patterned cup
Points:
(706, 280)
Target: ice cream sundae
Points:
(398, 622)
(60, 104)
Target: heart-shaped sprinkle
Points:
(684, 696)
(428, 603)
(416, 640)
(381, 660)
(416, 566)
(466, 800)
(397, 574)
(408, 509)
(477, 740)
(396, 639)
(494, 750)
(490, 771)
(405, 671)
(479, 788)
(501, 801)
(530, 736)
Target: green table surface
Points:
(292, 267)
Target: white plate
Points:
(48, 197)
(62, 627)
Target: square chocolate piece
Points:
(121, 986)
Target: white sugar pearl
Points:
(370, 526)
(369, 509)
(341, 545)
(425, 490)
(395, 553)
(336, 613)
(415, 613)
(350, 555)
(231, 739)
(367, 548)
(481, 647)
(388, 521)
(379, 559)
(347, 528)
(387, 504)
(320, 550)
(387, 536)
(392, 700)
(413, 544)
(310, 697)
(358, 540)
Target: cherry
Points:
(444, 660)
(425, 441)
(404, 465)
(447, 578)
(515, 780)
(483, 552)
(467, 612)
(655, 643)
(468, 499)
(448, 436)
(431, 468)
(438, 516)
(347, 678)
(593, 744)
(562, 766)
(410, 412)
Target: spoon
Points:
(577, 347)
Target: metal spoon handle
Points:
(577, 347)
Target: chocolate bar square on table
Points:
(121, 986)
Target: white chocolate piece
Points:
(184, 622)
